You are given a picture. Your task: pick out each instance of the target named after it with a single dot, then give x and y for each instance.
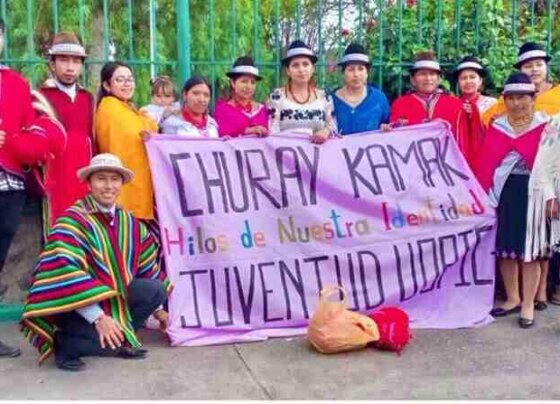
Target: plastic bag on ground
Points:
(333, 328)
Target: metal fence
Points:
(179, 37)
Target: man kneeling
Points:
(97, 279)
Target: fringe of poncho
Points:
(543, 234)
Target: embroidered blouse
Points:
(286, 115)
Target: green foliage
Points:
(489, 29)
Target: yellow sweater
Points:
(118, 128)
(547, 102)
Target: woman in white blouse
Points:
(194, 118)
(299, 106)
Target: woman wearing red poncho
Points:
(241, 114)
(427, 101)
(469, 76)
(520, 170)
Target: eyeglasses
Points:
(123, 80)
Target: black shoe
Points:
(71, 364)
(525, 322)
(499, 312)
(540, 305)
(127, 352)
(8, 351)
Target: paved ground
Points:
(499, 361)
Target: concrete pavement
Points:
(499, 361)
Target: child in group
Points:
(163, 100)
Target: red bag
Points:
(394, 328)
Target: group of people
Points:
(100, 276)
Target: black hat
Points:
(297, 49)
(425, 60)
(469, 63)
(355, 53)
(529, 51)
(244, 65)
(519, 83)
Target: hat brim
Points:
(85, 172)
(518, 92)
(519, 64)
(413, 70)
(481, 73)
(234, 75)
(286, 60)
(61, 53)
(354, 62)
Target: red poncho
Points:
(415, 109)
(63, 187)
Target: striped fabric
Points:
(87, 260)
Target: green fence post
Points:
(130, 31)
(400, 47)
(233, 30)
(380, 24)
(277, 43)
(457, 26)
(420, 17)
(212, 51)
(183, 40)
(360, 20)
(439, 28)
(30, 30)
(513, 21)
(320, 43)
(477, 27)
(549, 25)
(55, 15)
(6, 31)
(105, 29)
(153, 39)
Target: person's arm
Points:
(90, 313)
(386, 109)
(274, 110)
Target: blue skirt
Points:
(512, 217)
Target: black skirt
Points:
(512, 217)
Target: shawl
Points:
(497, 145)
(540, 148)
(118, 127)
(544, 184)
(87, 260)
(233, 122)
(63, 186)
(472, 124)
(415, 110)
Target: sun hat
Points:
(105, 162)
(67, 44)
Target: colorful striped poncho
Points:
(88, 260)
